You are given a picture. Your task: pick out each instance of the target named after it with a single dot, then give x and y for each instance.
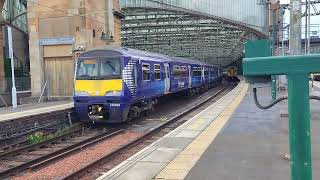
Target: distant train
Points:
(316, 77)
(116, 84)
(232, 74)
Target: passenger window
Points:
(196, 71)
(146, 72)
(157, 72)
(206, 72)
(180, 72)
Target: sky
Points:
(315, 20)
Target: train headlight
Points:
(113, 93)
(81, 93)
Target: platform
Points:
(229, 140)
(147, 163)
(33, 109)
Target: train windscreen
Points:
(98, 69)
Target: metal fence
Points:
(22, 84)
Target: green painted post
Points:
(297, 68)
(261, 48)
(299, 127)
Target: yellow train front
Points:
(99, 88)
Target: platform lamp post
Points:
(10, 54)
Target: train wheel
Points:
(134, 112)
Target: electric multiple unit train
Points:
(116, 84)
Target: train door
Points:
(167, 78)
(135, 86)
(202, 74)
(190, 80)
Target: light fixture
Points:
(106, 37)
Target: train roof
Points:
(116, 51)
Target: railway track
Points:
(37, 157)
(41, 154)
(149, 136)
(14, 132)
(23, 140)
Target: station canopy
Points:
(176, 31)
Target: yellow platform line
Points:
(180, 166)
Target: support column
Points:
(274, 40)
(36, 66)
(295, 27)
(299, 127)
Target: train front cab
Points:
(100, 92)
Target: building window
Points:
(157, 72)
(146, 72)
(180, 72)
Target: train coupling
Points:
(97, 112)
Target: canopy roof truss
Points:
(183, 33)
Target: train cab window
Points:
(146, 72)
(157, 72)
(98, 68)
(180, 71)
(88, 67)
(110, 67)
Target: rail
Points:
(77, 174)
(55, 155)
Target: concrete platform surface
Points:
(186, 142)
(33, 109)
(253, 144)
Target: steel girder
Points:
(179, 32)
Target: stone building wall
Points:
(83, 21)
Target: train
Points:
(315, 77)
(116, 84)
(231, 75)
